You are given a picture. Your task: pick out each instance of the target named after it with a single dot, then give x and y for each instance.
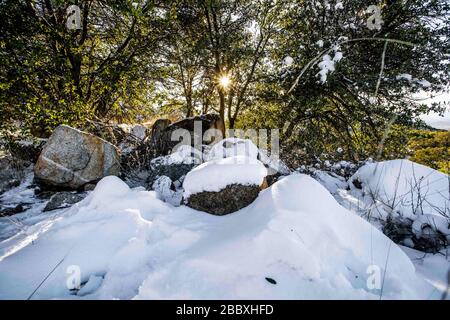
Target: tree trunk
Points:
(189, 110)
(231, 123)
(222, 111)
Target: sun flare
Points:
(225, 81)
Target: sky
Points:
(433, 119)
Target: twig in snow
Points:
(385, 269)
(445, 293)
(49, 274)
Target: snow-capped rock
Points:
(224, 185)
(215, 175)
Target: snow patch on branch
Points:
(327, 65)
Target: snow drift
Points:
(128, 244)
(411, 189)
(411, 202)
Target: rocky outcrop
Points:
(113, 133)
(228, 200)
(161, 142)
(72, 158)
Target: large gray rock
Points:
(157, 141)
(230, 199)
(72, 158)
(163, 140)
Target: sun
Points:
(225, 81)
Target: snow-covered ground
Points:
(294, 242)
(410, 189)
(24, 195)
(401, 188)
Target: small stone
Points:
(12, 210)
(62, 200)
(357, 183)
(89, 187)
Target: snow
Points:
(231, 147)
(434, 268)
(137, 244)
(404, 76)
(184, 154)
(338, 56)
(320, 43)
(330, 181)
(375, 21)
(410, 189)
(327, 65)
(162, 187)
(273, 163)
(94, 234)
(215, 175)
(24, 195)
(436, 222)
(339, 6)
(288, 61)
(424, 83)
(129, 244)
(92, 284)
